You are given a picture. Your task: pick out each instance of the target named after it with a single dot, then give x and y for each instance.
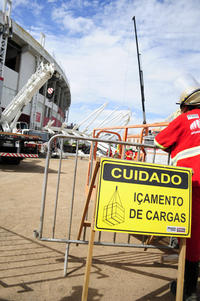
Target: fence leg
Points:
(66, 259)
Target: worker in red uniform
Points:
(129, 154)
(182, 139)
(110, 154)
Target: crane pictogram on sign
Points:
(114, 212)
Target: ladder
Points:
(13, 111)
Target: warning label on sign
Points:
(143, 198)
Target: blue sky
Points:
(94, 42)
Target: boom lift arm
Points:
(13, 111)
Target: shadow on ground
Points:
(93, 294)
(25, 262)
(26, 167)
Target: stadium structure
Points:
(20, 57)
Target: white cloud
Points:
(73, 24)
(32, 5)
(19, 2)
(77, 25)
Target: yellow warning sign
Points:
(143, 198)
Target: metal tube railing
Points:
(69, 239)
(57, 190)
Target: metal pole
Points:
(71, 212)
(43, 105)
(140, 74)
(44, 190)
(57, 188)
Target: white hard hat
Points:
(190, 90)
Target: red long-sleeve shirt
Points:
(182, 138)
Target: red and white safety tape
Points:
(18, 155)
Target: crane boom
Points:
(13, 111)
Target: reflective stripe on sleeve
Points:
(187, 153)
(159, 145)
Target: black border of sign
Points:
(132, 231)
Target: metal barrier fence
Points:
(61, 206)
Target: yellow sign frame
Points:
(182, 245)
(143, 198)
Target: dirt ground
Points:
(32, 270)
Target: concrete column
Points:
(58, 100)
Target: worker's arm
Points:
(165, 149)
(167, 138)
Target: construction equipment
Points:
(122, 117)
(140, 73)
(12, 112)
(16, 146)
